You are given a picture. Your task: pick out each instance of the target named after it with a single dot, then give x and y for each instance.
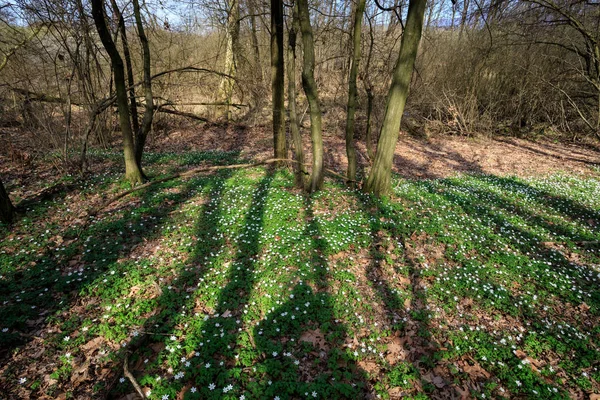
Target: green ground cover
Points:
(236, 286)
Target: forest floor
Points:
(436, 157)
(479, 277)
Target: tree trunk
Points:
(255, 48)
(144, 130)
(294, 127)
(232, 35)
(429, 16)
(369, 133)
(68, 114)
(7, 210)
(379, 181)
(464, 15)
(370, 95)
(310, 89)
(133, 172)
(352, 91)
(127, 55)
(277, 79)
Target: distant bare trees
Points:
(352, 88)
(583, 20)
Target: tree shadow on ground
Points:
(560, 204)
(562, 153)
(302, 343)
(225, 347)
(49, 295)
(204, 353)
(408, 253)
(304, 340)
(452, 161)
(190, 350)
(529, 233)
(517, 241)
(395, 273)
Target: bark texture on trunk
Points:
(144, 130)
(352, 90)
(128, 65)
(368, 84)
(379, 181)
(300, 168)
(255, 47)
(277, 79)
(310, 89)
(133, 172)
(232, 36)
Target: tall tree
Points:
(144, 130)
(277, 79)
(232, 33)
(255, 47)
(133, 172)
(310, 89)
(379, 180)
(294, 126)
(352, 90)
(369, 88)
(128, 66)
(7, 209)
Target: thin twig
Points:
(131, 378)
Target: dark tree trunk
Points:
(144, 130)
(127, 55)
(277, 79)
(132, 170)
(7, 210)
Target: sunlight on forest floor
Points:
(236, 286)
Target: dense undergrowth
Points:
(237, 286)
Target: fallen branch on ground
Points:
(131, 377)
(181, 114)
(42, 97)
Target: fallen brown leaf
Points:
(92, 345)
(314, 336)
(369, 367)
